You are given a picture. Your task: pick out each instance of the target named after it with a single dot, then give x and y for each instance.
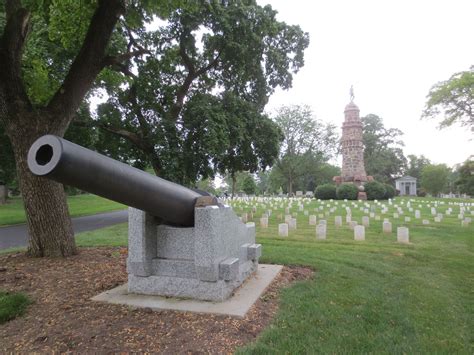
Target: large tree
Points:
(383, 153)
(308, 143)
(51, 53)
(452, 100)
(465, 181)
(434, 178)
(194, 104)
(416, 164)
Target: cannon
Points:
(68, 163)
(181, 243)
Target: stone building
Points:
(406, 185)
(353, 169)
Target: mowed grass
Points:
(374, 296)
(79, 205)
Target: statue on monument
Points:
(351, 93)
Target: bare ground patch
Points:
(63, 318)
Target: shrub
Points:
(421, 192)
(375, 190)
(12, 305)
(347, 191)
(325, 192)
(389, 191)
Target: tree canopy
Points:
(195, 104)
(452, 100)
(309, 143)
(159, 62)
(416, 164)
(465, 181)
(434, 178)
(383, 153)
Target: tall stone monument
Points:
(353, 170)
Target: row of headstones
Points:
(438, 218)
(291, 220)
(359, 231)
(383, 207)
(373, 207)
(408, 203)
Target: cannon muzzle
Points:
(68, 163)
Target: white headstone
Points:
(292, 224)
(283, 230)
(387, 227)
(321, 231)
(365, 221)
(264, 222)
(312, 220)
(338, 221)
(359, 233)
(403, 235)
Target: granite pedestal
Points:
(205, 262)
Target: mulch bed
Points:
(64, 319)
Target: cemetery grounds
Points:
(375, 295)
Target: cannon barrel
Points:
(68, 163)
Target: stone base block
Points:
(237, 305)
(182, 287)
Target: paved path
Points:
(17, 235)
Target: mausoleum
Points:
(406, 185)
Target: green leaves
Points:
(383, 154)
(308, 145)
(69, 21)
(434, 178)
(452, 100)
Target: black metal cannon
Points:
(60, 160)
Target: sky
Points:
(392, 52)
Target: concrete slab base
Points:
(237, 305)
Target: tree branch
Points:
(192, 74)
(11, 49)
(89, 61)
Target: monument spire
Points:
(353, 170)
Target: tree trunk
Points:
(290, 185)
(49, 224)
(234, 181)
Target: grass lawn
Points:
(79, 205)
(374, 296)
